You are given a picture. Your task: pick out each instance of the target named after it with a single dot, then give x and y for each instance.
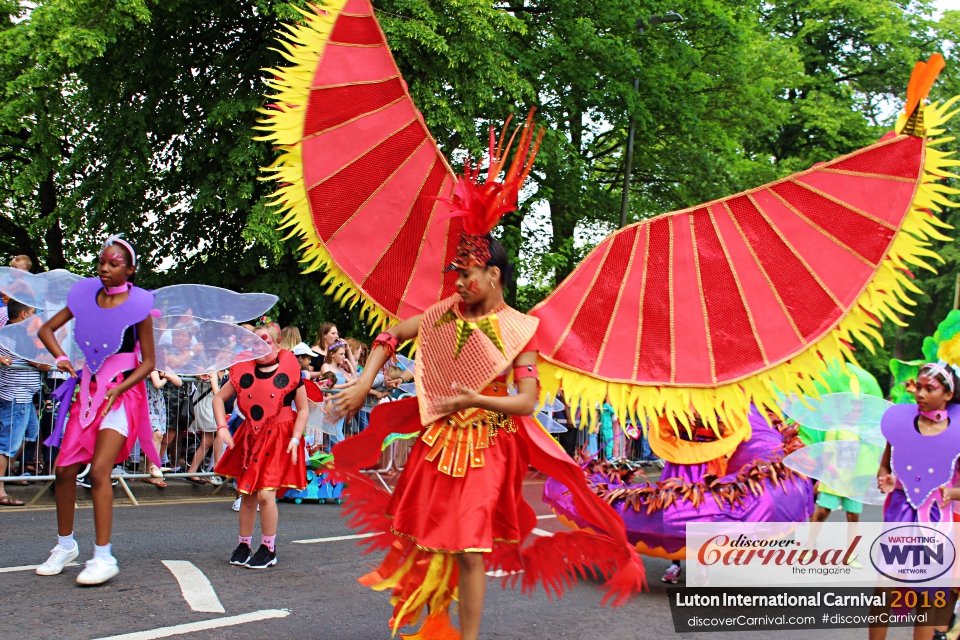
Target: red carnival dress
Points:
(259, 459)
(461, 490)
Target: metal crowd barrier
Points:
(180, 442)
(35, 461)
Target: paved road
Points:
(315, 583)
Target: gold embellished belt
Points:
(460, 438)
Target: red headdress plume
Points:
(481, 206)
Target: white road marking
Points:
(30, 567)
(336, 538)
(205, 625)
(196, 589)
(499, 573)
(541, 532)
(547, 517)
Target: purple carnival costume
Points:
(920, 463)
(107, 338)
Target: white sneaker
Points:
(98, 571)
(236, 505)
(59, 557)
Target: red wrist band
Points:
(222, 426)
(525, 371)
(388, 341)
(63, 358)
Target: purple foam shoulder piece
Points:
(921, 463)
(98, 331)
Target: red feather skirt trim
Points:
(431, 517)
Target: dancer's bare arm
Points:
(521, 403)
(350, 400)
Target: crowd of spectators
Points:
(181, 415)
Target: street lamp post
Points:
(628, 165)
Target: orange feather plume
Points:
(921, 81)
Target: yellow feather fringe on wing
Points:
(303, 46)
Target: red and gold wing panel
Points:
(360, 173)
(723, 304)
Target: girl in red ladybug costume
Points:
(265, 454)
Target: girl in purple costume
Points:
(114, 330)
(920, 460)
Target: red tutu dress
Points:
(259, 460)
(461, 490)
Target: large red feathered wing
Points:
(361, 173)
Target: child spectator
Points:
(304, 354)
(22, 262)
(18, 416)
(289, 338)
(157, 404)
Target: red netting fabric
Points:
(858, 232)
(335, 200)
(356, 30)
(806, 301)
(333, 106)
(654, 357)
(585, 340)
(735, 349)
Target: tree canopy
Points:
(137, 116)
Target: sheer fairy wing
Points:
(548, 423)
(21, 339)
(212, 303)
(319, 420)
(359, 172)
(408, 364)
(855, 413)
(720, 305)
(847, 467)
(42, 291)
(194, 346)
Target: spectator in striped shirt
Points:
(24, 263)
(18, 416)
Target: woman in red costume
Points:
(265, 454)
(458, 509)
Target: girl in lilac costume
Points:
(920, 460)
(114, 330)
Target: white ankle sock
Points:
(103, 552)
(67, 542)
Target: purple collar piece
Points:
(921, 463)
(98, 331)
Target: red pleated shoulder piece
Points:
(722, 291)
(372, 172)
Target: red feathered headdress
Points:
(481, 206)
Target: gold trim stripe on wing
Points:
(673, 349)
(616, 305)
(850, 207)
(406, 217)
(583, 299)
(776, 294)
(864, 174)
(736, 279)
(375, 192)
(703, 300)
(796, 254)
(823, 231)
